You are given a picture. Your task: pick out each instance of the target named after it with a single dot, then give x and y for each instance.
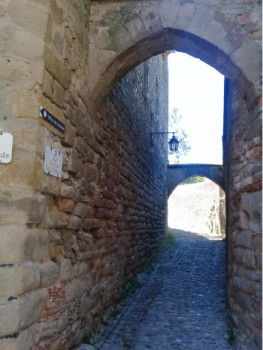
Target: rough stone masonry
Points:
(68, 244)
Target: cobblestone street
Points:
(181, 305)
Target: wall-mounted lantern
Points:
(173, 143)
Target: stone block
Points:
(50, 185)
(249, 259)
(244, 239)
(22, 104)
(257, 242)
(27, 45)
(24, 171)
(168, 13)
(248, 55)
(247, 286)
(70, 136)
(244, 300)
(252, 204)
(66, 205)
(48, 85)
(82, 210)
(57, 68)
(215, 32)
(67, 191)
(202, 17)
(65, 268)
(58, 93)
(49, 272)
(27, 133)
(17, 280)
(249, 274)
(185, 15)
(28, 206)
(22, 312)
(29, 16)
(30, 244)
(13, 69)
(92, 224)
(73, 163)
(74, 222)
(55, 219)
(242, 222)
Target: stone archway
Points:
(211, 32)
(67, 58)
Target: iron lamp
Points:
(173, 143)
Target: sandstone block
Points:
(50, 185)
(73, 163)
(13, 69)
(17, 280)
(66, 205)
(67, 191)
(59, 42)
(48, 85)
(22, 312)
(27, 45)
(28, 206)
(29, 16)
(22, 104)
(55, 219)
(57, 68)
(25, 172)
(30, 244)
(58, 93)
(70, 136)
(91, 224)
(82, 210)
(49, 272)
(27, 133)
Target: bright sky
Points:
(197, 91)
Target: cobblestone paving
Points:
(181, 305)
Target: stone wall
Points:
(58, 235)
(69, 244)
(244, 222)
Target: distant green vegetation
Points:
(193, 180)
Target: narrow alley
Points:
(180, 305)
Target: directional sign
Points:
(49, 118)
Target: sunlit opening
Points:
(197, 205)
(196, 102)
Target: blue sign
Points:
(48, 117)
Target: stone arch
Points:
(205, 31)
(180, 172)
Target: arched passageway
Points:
(67, 61)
